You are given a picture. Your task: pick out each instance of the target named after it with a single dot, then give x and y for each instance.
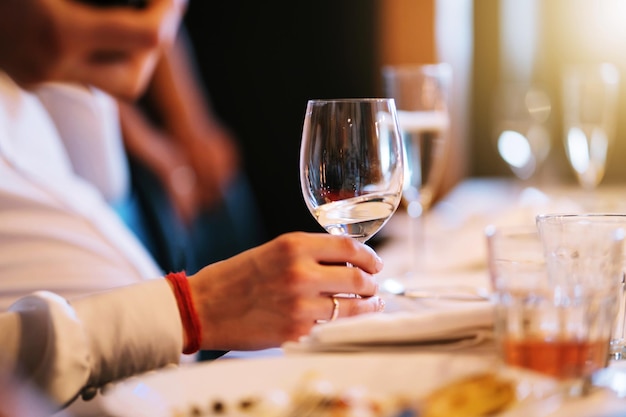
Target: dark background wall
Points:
(261, 61)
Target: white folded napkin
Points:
(439, 325)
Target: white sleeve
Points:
(72, 349)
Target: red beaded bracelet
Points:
(188, 314)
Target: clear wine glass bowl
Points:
(351, 164)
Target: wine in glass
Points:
(420, 93)
(351, 164)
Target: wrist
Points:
(192, 332)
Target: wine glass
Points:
(420, 92)
(522, 137)
(590, 95)
(351, 164)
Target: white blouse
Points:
(59, 236)
(57, 232)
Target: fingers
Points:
(330, 308)
(342, 279)
(316, 264)
(119, 52)
(341, 249)
(328, 249)
(123, 77)
(110, 48)
(126, 29)
(329, 273)
(114, 49)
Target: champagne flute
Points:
(351, 164)
(420, 92)
(590, 95)
(522, 137)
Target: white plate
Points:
(230, 380)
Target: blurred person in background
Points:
(60, 238)
(193, 202)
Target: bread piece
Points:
(475, 396)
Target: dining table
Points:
(418, 343)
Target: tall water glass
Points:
(421, 95)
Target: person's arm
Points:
(69, 349)
(261, 298)
(186, 120)
(160, 152)
(211, 147)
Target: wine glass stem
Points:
(417, 240)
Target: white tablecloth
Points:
(456, 255)
(455, 250)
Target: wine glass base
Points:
(617, 353)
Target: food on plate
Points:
(474, 396)
(314, 396)
(477, 395)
